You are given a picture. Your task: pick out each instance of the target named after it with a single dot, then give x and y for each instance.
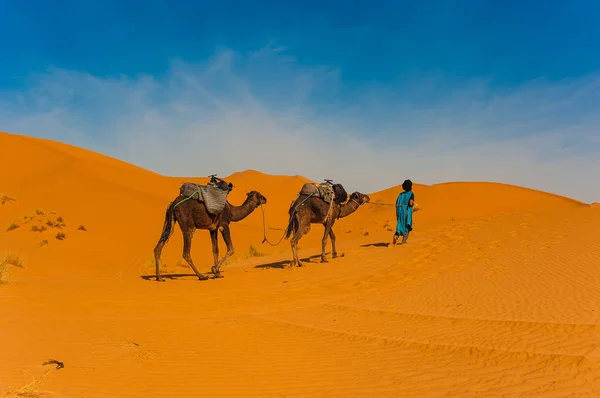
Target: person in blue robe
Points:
(404, 212)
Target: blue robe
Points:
(403, 213)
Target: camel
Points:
(305, 211)
(192, 215)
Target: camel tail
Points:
(168, 225)
(292, 222)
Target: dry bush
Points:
(44, 243)
(60, 220)
(61, 236)
(254, 252)
(30, 390)
(12, 226)
(13, 258)
(39, 212)
(81, 228)
(6, 199)
(38, 228)
(55, 224)
(9, 258)
(3, 272)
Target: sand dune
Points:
(494, 295)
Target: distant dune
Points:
(494, 294)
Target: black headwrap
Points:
(407, 185)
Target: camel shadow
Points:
(174, 276)
(378, 244)
(281, 264)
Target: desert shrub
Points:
(3, 272)
(6, 199)
(8, 259)
(38, 228)
(12, 226)
(82, 228)
(61, 236)
(253, 252)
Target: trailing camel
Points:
(308, 209)
(192, 215)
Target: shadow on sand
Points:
(281, 264)
(378, 244)
(277, 264)
(175, 276)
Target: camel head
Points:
(256, 197)
(359, 198)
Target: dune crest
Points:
(494, 294)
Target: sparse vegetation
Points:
(30, 390)
(12, 258)
(44, 243)
(61, 236)
(81, 228)
(60, 220)
(39, 212)
(55, 224)
(38, 228)
(6, 199)
(253, 252)
(3, 272)
(9, 258)
(13, 226)
(181, 263)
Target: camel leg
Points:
(188, 234)
(226, 233)
(334, 253)
(214, 238)
(302, 229)
(324, 242)
(157, 252)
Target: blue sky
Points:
(433, 91)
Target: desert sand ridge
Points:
(494, 295)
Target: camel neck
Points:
(348, 208)
(240, 212)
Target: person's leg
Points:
(400, 224)
(405, 237)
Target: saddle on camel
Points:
(213, 194)
(328, 192)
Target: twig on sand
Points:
(58, 364)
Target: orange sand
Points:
(496, 293)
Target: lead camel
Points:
(192, 215)
(314, 210)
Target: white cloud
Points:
(263, 111)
